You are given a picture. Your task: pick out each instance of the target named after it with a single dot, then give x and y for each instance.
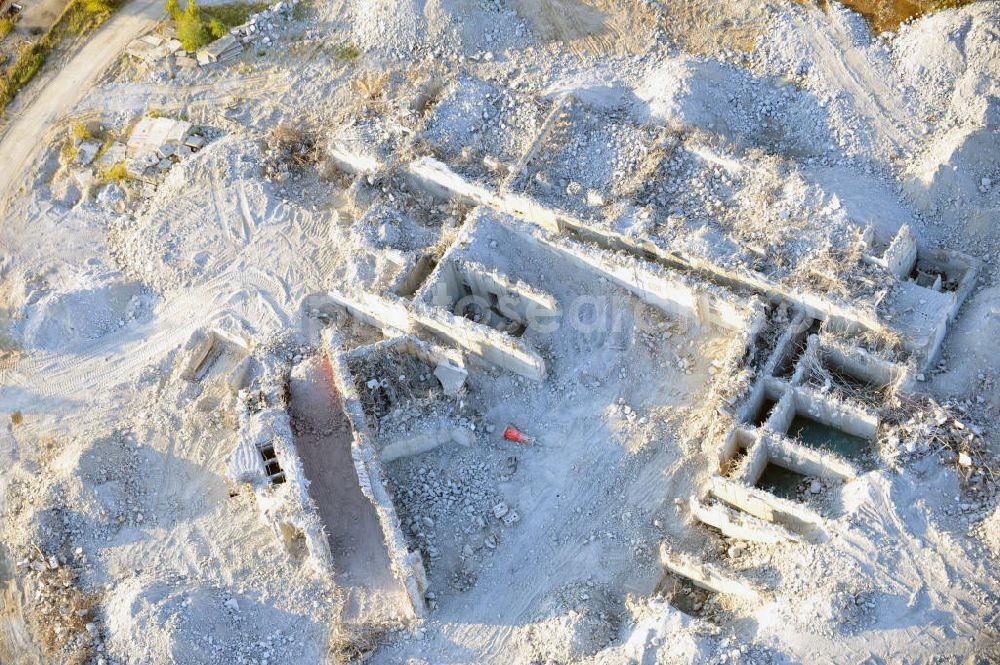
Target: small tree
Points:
(173, 8)
(190, 30)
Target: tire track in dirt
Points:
(852, 71)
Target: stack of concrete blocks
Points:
(223, 50)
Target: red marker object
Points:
(516, 435)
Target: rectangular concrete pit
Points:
(468, 289)
(324, 441)
(824, 423)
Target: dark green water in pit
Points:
(780, 481)
(817, 435)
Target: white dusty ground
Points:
(124, 540)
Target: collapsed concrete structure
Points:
(798, 390)
(157, 143)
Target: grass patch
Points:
(6, 25)
(346, 52)
(79, 18)
(82, 131)
(69, 152)
(233, 14)
(115, 173)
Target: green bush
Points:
(6, 25)
(173, 8)
(216, 29)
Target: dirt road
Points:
(61, 91)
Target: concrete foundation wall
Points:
(807, 461)
(739, 525)
(704, 574)
(481, 341)
(835, 414)
(660, 287)
(412, 275)
(286, 507)
(737, 439)
(782, 414)
(858, 363)
(457, 277)
(430, 354)
(957, 267)
(353, 161)
(515, 300)
(923, 339)
(754, 464)
(822, 409)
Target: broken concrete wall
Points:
(430, 354)
(417, 443)
(412, 274)
(447, 365)
(761, 391)
(864, 366)
(481, 341)
(765, 505)
(407, 566)
(704, 574)
(919, 335)
(901, 254)
(753, 464)
(515, 299)
(735, 524)
(397, 317)
(205, 346)
(959, 269)
(804, 460)
(665, 289)
(738, 439)
(285, 506)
